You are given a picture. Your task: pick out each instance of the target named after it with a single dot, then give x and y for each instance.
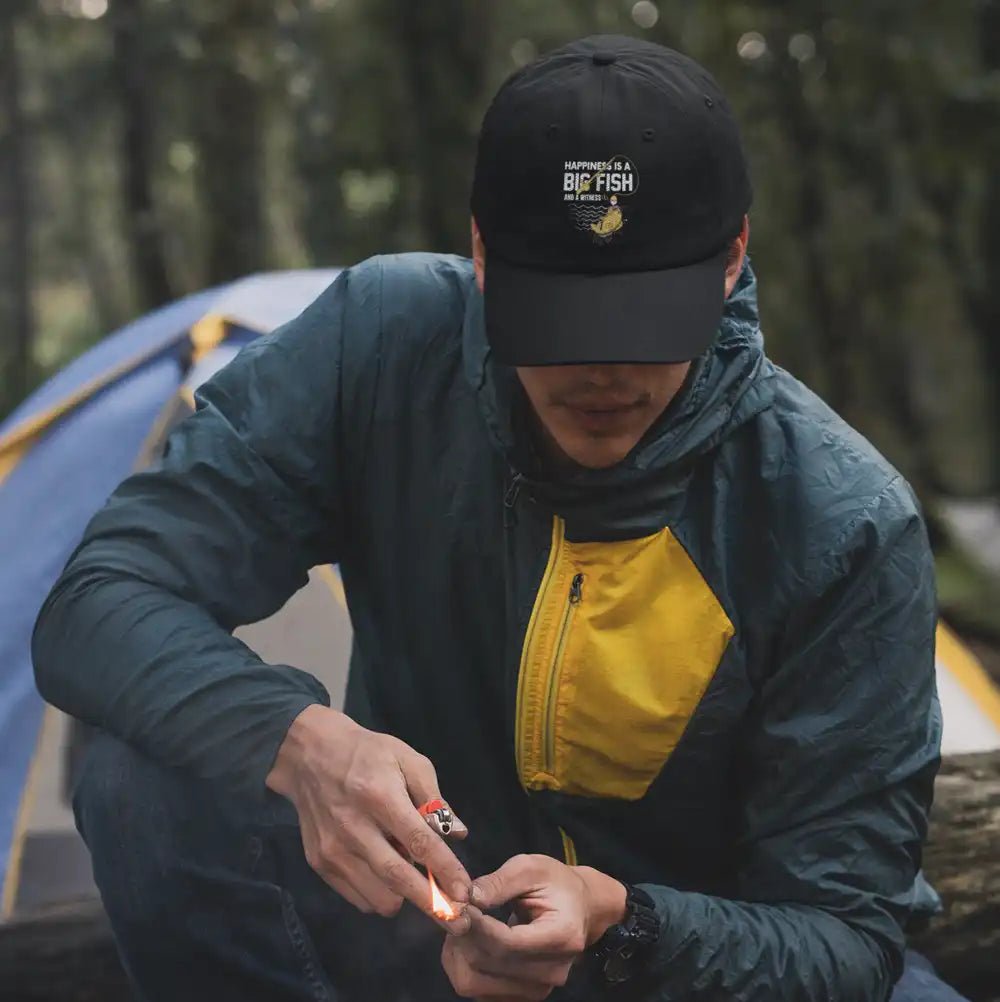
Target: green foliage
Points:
(968, 595)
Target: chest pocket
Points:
(622, 642)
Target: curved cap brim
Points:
(550, 318)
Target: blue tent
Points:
(67, 447)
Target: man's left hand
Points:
(559, 911)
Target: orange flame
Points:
(440, 905)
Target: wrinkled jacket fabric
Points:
(707, 670)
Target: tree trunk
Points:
(143, 231)
(987, 312)
(962, 861)
(804, 130)
(317, 148)
(229, 123)
(15, 299)
(976, 263)
(67, 955)
(442, 48)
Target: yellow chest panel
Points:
(622, 642)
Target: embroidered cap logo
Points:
(595, 190)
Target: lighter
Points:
(438, 815)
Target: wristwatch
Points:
(620, 952)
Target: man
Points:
(652, 619)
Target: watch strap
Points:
(620, 952)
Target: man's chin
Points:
(599, 454)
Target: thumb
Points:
(517, 877)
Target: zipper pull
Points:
(576, 590)
(510, 500)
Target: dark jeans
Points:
(210, 897)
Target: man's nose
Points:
(602, 375)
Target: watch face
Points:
(619, 965)
(617, 968)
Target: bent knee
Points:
(113, 780)
(126, 804)
(123, 798)
(145, 825)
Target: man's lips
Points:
(602, 406)
(603, 417)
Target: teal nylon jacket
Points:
(708, 670)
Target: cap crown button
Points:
(604, 58)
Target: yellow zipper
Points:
(555, 670)
(569, 849)
(520, 738)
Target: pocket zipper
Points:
(549, 737)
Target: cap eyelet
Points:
(648, 135)
(709, 103)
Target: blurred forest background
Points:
(150, 148)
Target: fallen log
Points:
(67, 955)
(61, 955)
(962, 861)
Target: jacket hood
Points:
(728, 385)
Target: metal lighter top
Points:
(438, 815)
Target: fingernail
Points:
(476, 895)
(458, 926)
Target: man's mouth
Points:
(606, 406)
(604, 416)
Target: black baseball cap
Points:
(610, 181)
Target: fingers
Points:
(352, 802)
(518, 876)
(349, 872)
(457, 926)
(547, 972)
(380, 879)
(346, 891)
(408, 827)
(387, 802)
(475, 984)
(366, 884)
(398, 873)
(536, 953)
(406, 880)
(353, 861)
(352, 878)
(546, 936)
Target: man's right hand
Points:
(355, 791)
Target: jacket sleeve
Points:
(135, 636)
(839, 774)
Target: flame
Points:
(440, 905)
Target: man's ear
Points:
(736, 256)
(478, 255)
